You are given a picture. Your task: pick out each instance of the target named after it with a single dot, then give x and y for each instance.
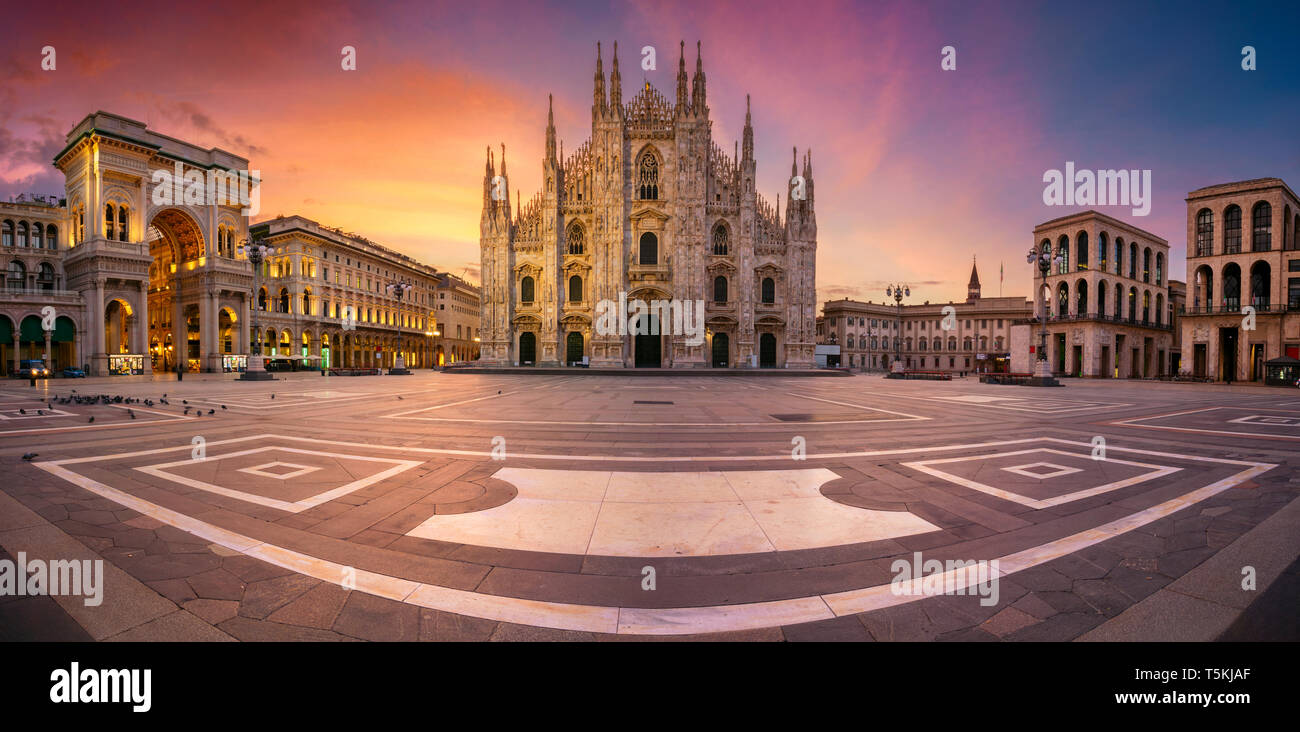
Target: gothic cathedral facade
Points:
(650, 208)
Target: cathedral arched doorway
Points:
(648, 343)
(527, 348)
(177, 246)
(573, 348)
(767, 351)
(721, 350)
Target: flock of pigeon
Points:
(83, 400)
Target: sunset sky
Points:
(916, 169)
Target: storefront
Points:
(125, 364)
(234, 363)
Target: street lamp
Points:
(397, 290)
(255, 371)
(898, 292)
(1043, 369)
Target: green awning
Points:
(31, 331)
(64, 330)
(6, 331)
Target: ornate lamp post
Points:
(397, 290)
(1043, 369)
(898, 292)
(256, 371)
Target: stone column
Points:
(18, 354)
(46, 357)
(141, 335)
(98, 352)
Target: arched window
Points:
(123, 233)
(526, 290)
(1160, 308)
(51, 237)
(769, 290)
(1260, 285)
(45, 276)
(110, 222)
(1261, 239)
(1146, 306)
(575, 289)
(1102, 255)
(1081, 244)
(1204, 232)
(22, 233)
(1160, 268)
(1081, 297)
(8, 233)
(720, 240)
(1101, 299)
(17, 277)
(649, 249)
(306, 301)
(575, 239)
(261, 299)
(284, 300)
(967, 344)
(1232, 229)
(38, 235)
(1133, 261)
(648, 177)
(1146, 265)
(1063, 251)
(719, 289)
(1132, 303)
(1119, 256)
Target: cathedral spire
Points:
(749, 132)
(794, 162)
(616, 86)
(550, 127)
(681, 81)
(598, 97)
(697, 84)
(503, 160)
(973, 288)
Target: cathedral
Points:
(649, 211)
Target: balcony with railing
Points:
(1098, 318)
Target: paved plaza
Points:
(462, 506)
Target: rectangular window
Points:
(1293, 293)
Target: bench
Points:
(928, 375)
(1007, 378)
(337, 371)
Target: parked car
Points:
(73, 372)
(32, 369)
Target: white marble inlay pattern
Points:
(1028, 470)
(668, 514)
(264, 470)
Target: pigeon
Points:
(28, 456)
(74, 391)
(272, 396)
(223, 406)
(40, 413)
(498, 391)
(22, 411)
(185, 401)
(212, 411)
(91, 420)
(187, 410)
(132, 414)
(399, 397)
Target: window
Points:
(45, 276)
(648, 177)
(719, 289)
(110, 222)
(17, 278)
(575, 238)
(649, 249)
(1232, 230)
(1082, 245)
(526, 290)
(1063, 251)
(122, 231)
(51, 237)
(8, 233)
(720, 240)
(1204, 232)
(1261, 239)
(575, 289)
(769, 290)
